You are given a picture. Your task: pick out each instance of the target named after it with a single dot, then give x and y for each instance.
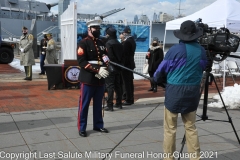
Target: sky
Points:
(137, 7)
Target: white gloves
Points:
(103, 72)
(98, 76)
(21, 49)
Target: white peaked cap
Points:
(95, 22)
(44, 32)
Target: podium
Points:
(63, 75)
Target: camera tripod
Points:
(208, 79)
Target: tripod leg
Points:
(183, 143)
(206, 85)
(229, 118)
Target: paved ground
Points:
(20, 95)
(41, 124)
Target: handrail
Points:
(7, 32)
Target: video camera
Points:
(217, 41)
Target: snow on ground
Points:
(16, 64)
(36, 68)
(230, 94)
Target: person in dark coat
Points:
(92, 76)
(43, 46)
(113, 81)
(155, 57)
(121, 39)
(129, 47)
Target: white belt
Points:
(95, 62)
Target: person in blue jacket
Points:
(182, 70)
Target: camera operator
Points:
(182, 70)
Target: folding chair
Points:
(238, 64)
(233, 69)
(224, 68)
(216, 71)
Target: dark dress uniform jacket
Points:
(129, 47)
(90, 49)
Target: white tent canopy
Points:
(221, 13)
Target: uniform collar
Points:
(92, 38)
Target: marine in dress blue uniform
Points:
(93, 71)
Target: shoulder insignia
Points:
(80, 51)
(30, 37)
(51, 42)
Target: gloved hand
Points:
(148, 55)
(98, 76)
(163, 85)
(22, 50)
(103, 72)
(111, 68)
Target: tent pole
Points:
(224, 74)
(150, 34)
(164, 39)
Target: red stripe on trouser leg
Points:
(80, 106)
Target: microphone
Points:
(107, 61)
(105, 58)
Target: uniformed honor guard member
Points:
(90, 51)
(27, 55)
(43, 46)
(51, 52)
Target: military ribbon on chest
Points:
(102, 48)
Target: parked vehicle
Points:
(6, 50)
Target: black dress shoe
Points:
(108, 108)
(83, 133)
(127, 103)
(104, 130)
(27, 78)
(118, 106)
(41, 73)
(151, 89)
(154, 90)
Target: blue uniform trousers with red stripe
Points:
(87, 92)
